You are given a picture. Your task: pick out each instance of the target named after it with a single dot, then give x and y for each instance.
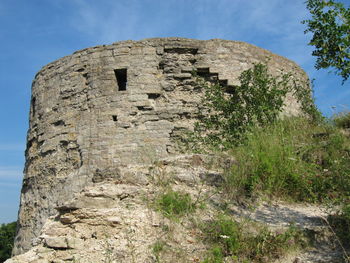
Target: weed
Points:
(175, 204)
(225, 233)
(157, 249)
(214, 255)
(160, 175)
(247, 242)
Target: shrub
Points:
(7, 234)
(257, 101)
(342, 120)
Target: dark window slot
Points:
(181, 50)
(59, 123)
(33, 105)
(153, 96)
(115, 118)
(121, 76)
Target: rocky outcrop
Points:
(117, 220)
(124, 104)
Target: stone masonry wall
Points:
(82, 121)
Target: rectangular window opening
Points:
(121, 76)
(33, 105)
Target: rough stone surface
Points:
(117, 220)
(84, 128)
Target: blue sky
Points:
(36, 32)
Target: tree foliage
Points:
(330, 25)
(257, 101)
(7, 234)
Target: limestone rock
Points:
(125, 225)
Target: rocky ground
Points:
(115, 219)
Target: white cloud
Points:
(275, 25)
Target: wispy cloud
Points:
(275, 25)
(107, 21)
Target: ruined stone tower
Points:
(110, 106)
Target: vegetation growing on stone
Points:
(292, 159)
(248, 242)
(257, 101)
(175, 204)
(300, 159)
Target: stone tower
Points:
(109, 106)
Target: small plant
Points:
(159, 174)
(247, 242)
(214, 255)
(175, 204)
(224, 233)
(157, 249)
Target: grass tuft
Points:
(175, 204)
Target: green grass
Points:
(247, 242)
(174, 204)
(292, 159)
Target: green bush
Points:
(342, 120)
(175, 204)
(257, 101)
(7, 234)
